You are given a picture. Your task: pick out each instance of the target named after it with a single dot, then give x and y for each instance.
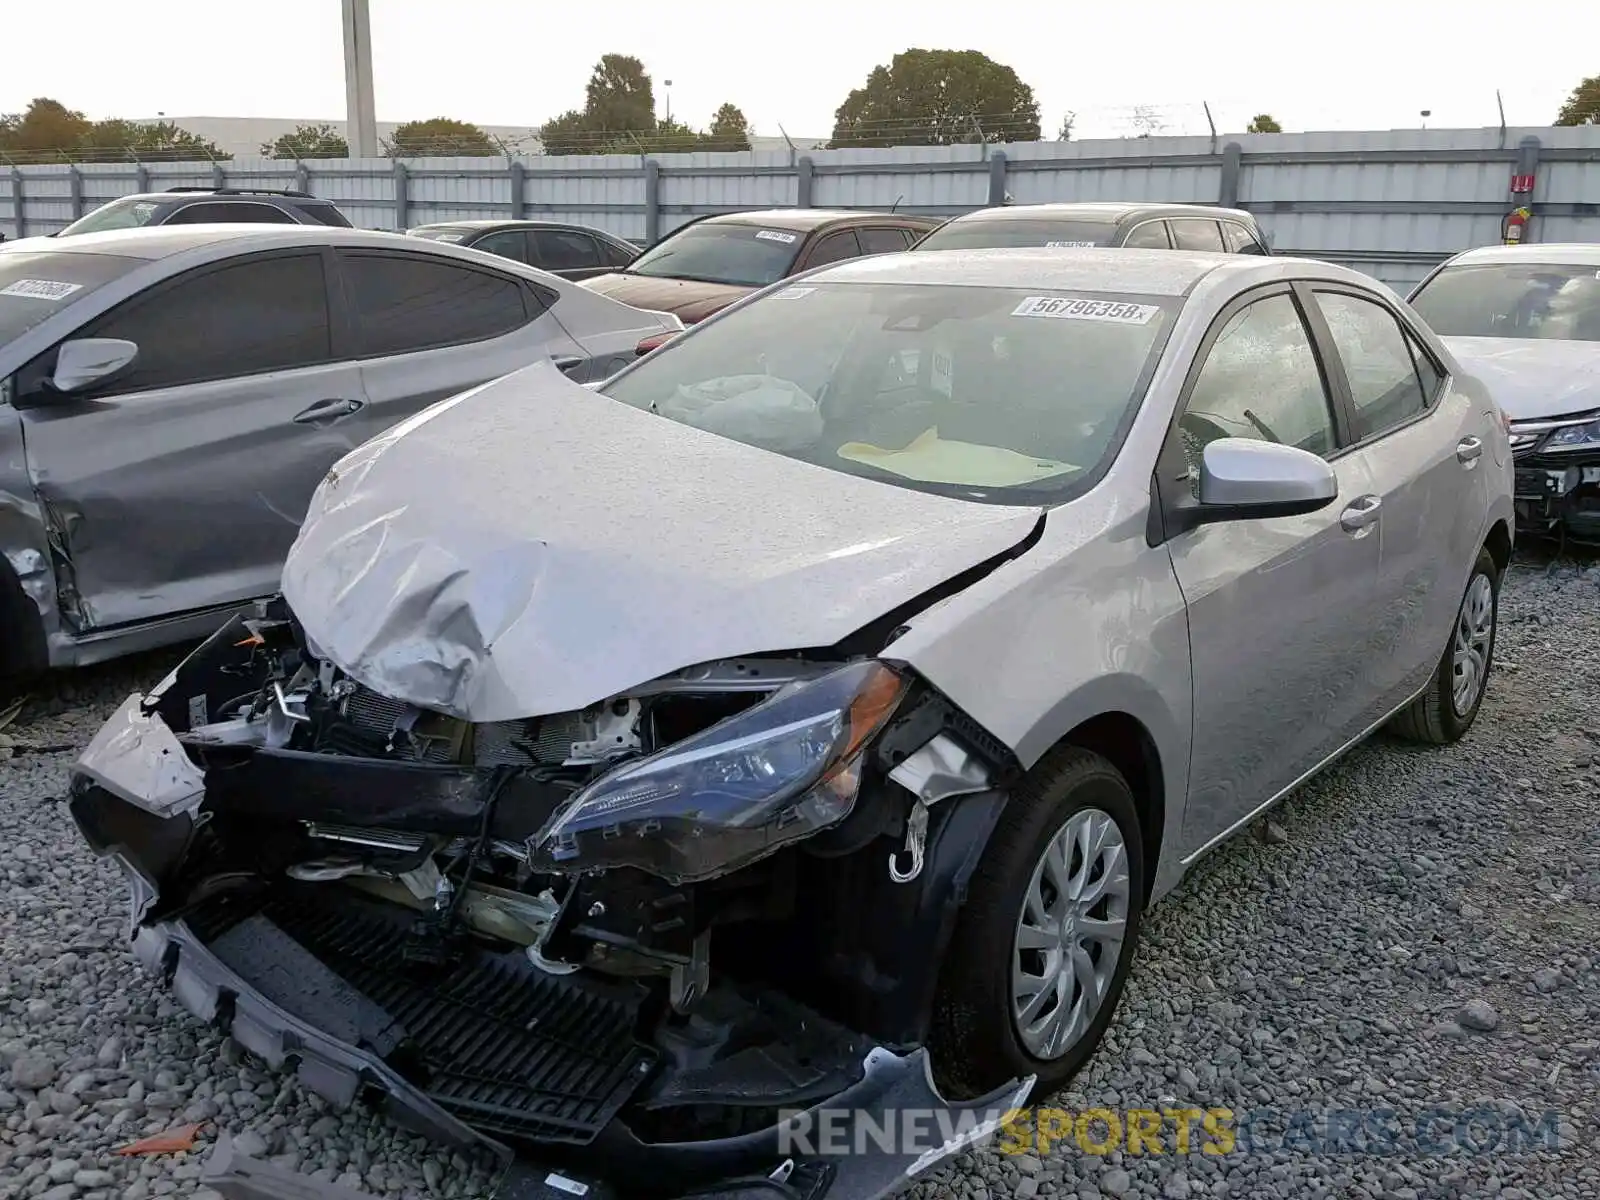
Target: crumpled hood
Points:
(533, 547)
(689, 300)
(1532, 378)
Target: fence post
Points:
(1232, 165)
(302, 177)
(402, 198)
(141, 177)
(75, 190)
(219, 177)
(1527, 164)
(997, 178)
(19, 218)
(805, 181)
(519, 199)
(652, 201)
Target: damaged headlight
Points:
(1583, 435)
(775, 773)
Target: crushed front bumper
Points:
(1559, 494)
(137, 799)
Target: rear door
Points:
(180, 485)
(427, 327)
(883, 239)
(832, 248)
(1424, 445)
(1240, 240)
(1148, 235)
(507, 243)
(1197, 233)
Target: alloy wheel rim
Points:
(1070, 934)
(1469, 662)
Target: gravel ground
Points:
(1347, 959)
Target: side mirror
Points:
(1243, 479)
(87, 361)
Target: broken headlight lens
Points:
(1585, 436)
(775, 773)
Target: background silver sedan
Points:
(169, 398)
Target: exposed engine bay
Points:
(665, 919)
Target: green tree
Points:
(50, 131)
(730, 130)
(568, 134)
(620, 97)
(440, 137)
(1263, 123)
(1068, 122)
(938, 98)
(46, 129)
(308, 141)
(1583, 106)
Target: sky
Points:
(1356, 64)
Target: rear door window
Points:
(263, 314)
(404, 303)
(564, 250)
(1191, 233)
(882, 241)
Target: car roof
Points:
(1097, 210)
(806, 218)
(225, 195)
(1555, 254)
(163, 241)
(514, 223)
(1130, 271)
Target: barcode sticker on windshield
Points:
(1076, 308)
(1069, 245)
(776, 235)
(792, 293)
(40, 289)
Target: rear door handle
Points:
(327, 410)
(1468, 449)
(1361, 514)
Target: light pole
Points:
(667, 84)
(360, 110)
(1426, 113)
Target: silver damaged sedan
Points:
(799, 723)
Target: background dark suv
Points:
(209, 206)
(570, 251)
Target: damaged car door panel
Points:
(633, 827)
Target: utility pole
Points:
(360, 110)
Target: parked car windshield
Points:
(1513, 300)
(745, 255)
(37, 284)
(1013, 231)
(997, 394)
(119, 214)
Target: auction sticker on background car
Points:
(1078, 308)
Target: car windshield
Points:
(980, 234)
(998, 394)
(439, 233)
(37, 284)
(745, 255)
(119, 214)
(1513, 300)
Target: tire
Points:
(23, 656)
(1435, 718)
(976, 1040)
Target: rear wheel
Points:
(1044, 943)
(1447, 709)
(23, 654)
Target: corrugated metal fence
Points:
(1388, 203)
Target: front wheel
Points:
(1447, 709)
(1045, 941)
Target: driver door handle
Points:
(327, 410)
(1361, 514)
(1468, 449)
